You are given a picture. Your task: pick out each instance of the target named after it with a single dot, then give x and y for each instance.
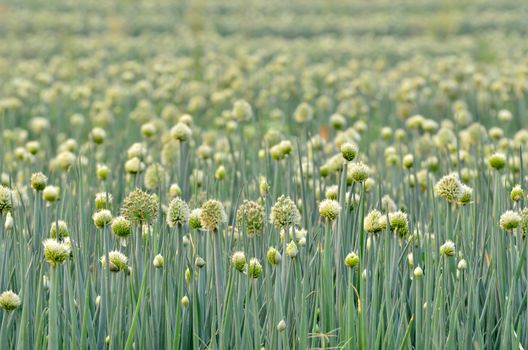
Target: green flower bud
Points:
(238, 259)
(352, 260)
(51, 193)
(448, 248)
(158, 261)
(254, 268)
(121, 227)
(55, 252)
(39, 181)
(292, 250)
(349, 151)
(102, 218)
(274, 257)
(62, 228)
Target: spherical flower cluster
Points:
(254, 269)
(102, 218)
(140, 207)
(38, 181)
(121, 227)
(329, 209)
(273, 255)
(103, 200)
(358, 172)
(6, 200)
(449, 187)
(242, 111)
(371, 223)
(250, 215)
(117, 261)
(349, 151)
(466, 195)
(284, 213)
(418, 272)
(399, 223)
(517, 193)
(154, 176)
(195, 221)
(158, 261)
(238, 259)
(291, 249)
(51, 193)
(62, 229)
(497, 161)
(177, 213)
(212, 215)
(303, 113)
(448, 248)
(9, 300)
(352, 260)
(55, 252)
(181, 132)
(509, 220)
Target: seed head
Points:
(254, 268)
(158, 261)
(329, 209)
(284, 213)
(195, 221)
(517, 193)
(349, 151)
(6, 200)
(497, 161)
(62, 228)
(9, 300)
(39, 181)
(103, 200)
(352, 260)
(212, 215)
(51, 193)
(449, 187)
(250, 215)
(358, 172)
(118, 261)
(102, 218)
(292, 250)
(55, 252)
(399, 223)
(177, 213)
(447, 249)
(121, 227)
(509, 220)
(242, 111)
(274, 257)
(154, 176)
(371, 223)
(181, 132)
(238, 259)
(102, 171)
(140, 207)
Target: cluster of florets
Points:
(140, 207)
(177, 213)
(212, 215)
(284, 213)
(250, 215)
